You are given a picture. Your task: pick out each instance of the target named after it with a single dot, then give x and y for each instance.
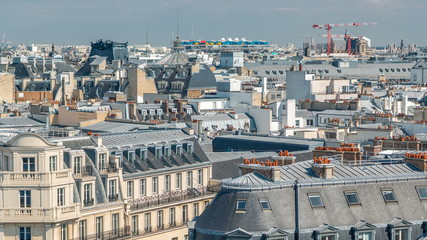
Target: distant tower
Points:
(401, 45)
(52, 52)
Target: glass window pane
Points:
(265, 204)
(241, 205)
(389, 195)
(422, 192)
(352, 198)
(315, 200)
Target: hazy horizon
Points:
(80, 22)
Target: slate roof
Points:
(146, 137)
(174, 58)
(114, 127)
(19, 121)
(336, 214)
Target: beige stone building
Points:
(144, 185)
(7, 90)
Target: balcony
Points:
(110, 168)
(120, 233)
(28, 215)
(172, 196)
(88, 202)
(34, 178)
(84, 171)
(113, 197)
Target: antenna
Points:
(146, 41)
(177, 23)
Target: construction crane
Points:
(328, 28)
(345, 36)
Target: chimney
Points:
(323, 168)
(165, 106)
(97, 139)
(300, 67)
(271, 172)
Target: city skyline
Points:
(281, 22)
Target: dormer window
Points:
(131, 156)
(190, 148)
(178, 150)
(158, 152)
(167, 151)
(143, 154)
(102, 160)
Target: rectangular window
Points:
(99, 227)
(115, 222)
(142, 187)
(364, 236)
(112, 187)
(178, 180)
(297, 123)
(130, 189)
(328, 237)
(143, 154)
(77, 165)
(241, 205)
(190, 149)
(167, 183)
(422, 192)
(101, 161)
(178, 150)
(28, 164)
(135, 228)
(158, 152)
(189, 179)
(352, 198)
(131, 156)
(167, 151)
(200, 176)
(315, 200)
(172, 217)
(87, 195)
(160, 219)
(25, 199)
(309, 122)
(389, 196)
(52, 163)
(265, 205)
(195, 209)
(82, 229)
(147, 222)
(155, 185)
(61, 196)
(184, 213)
(25, 233)
(401, 234)
(6, 163)
(64, 232)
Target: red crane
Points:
(328, 28)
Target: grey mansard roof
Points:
(367, 181)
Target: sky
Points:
(74, 22)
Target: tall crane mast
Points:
(328, 27)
